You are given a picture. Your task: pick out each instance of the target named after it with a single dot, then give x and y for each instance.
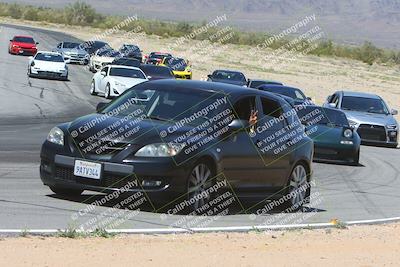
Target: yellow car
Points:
(179, 66)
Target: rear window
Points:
(156, 71)
(318, 115)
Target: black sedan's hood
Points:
(92, 128)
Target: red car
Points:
(22, 45)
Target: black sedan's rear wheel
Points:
(62, 191)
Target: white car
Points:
(48, 65)
(113, 80)
(102, 57)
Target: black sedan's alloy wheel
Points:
(198, 183)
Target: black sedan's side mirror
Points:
(100, 106)
(238, 125)
(209, 76)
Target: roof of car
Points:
(229, 71)
(278, 86)
(266, 81)
(26, 36)
(212, 87)
(358, 94)
(49, 52)
(123, 67)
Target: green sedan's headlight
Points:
(56, 136)
(160, 150)
(348, 133)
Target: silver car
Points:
(369, 115)
(73, 52)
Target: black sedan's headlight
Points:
(56, 136)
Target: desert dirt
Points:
(355, 246)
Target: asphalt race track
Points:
(29, 108)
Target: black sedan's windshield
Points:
(156, 71)
(364, 104)
(168, 104)
(229, 75)
(49, 57)
(124, 72)
(317, 115)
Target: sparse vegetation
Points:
(82, 14)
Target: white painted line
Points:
(209, 229)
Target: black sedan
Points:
(228, 76)
(123, 61)
(131, 51)
(334, 139)
(182, 140)
(296, 94)
(155, 72)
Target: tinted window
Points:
(123, 72)
(286, 91)
(28, 40)
(244, 107)
(165, 103)
(126, 62)
(272, 110)
(178, 64)
(364, 104)
(49, 57)
(158, 71)
(229, 75)
(318, 115)
(70, 45)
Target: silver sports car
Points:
(369, 115)
(73, 52)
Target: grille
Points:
(106, 148)
(372, 132)
(49, 73)
(107, 180)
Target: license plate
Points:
(87, 169)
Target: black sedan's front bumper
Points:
(162, 180)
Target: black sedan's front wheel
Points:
(199, 181)
(297, 188)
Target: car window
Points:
(49, 57)
(243, 107)
(272, 110)
(364, 104)
(28, 40)
(124, 72)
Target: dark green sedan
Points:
(334, 139)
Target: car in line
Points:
(73, 52)
(46, 64)
(131, 51)
(113, 80)
(159, 158)
(126, 62)
(334, 139)
(156, 57)
(228, 76)
(369, 115)
(296, 94)
(254, 83)
(102, 57)
(157, 72)
(22, 45)
(92, 46)
(179, 66)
